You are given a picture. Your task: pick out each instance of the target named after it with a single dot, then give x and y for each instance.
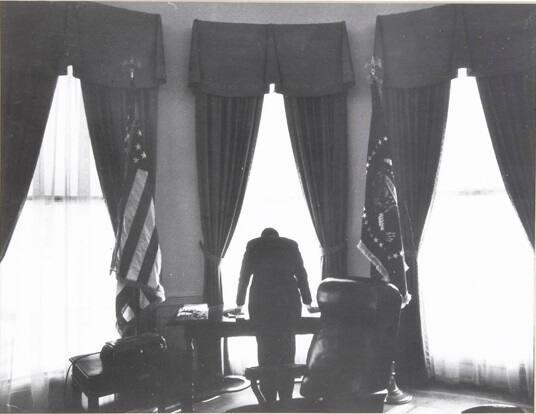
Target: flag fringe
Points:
(373, 259)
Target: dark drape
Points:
(427, 46)
(236, 59)
(31, 51)
(509, 103)
(311, 65)
(39, 39)
(415, 56)
(107, 110)
(415, 121)
(226, 130)
(231, 67)
(26, 99)
(105, 43)
(118, 55)
(318, 132)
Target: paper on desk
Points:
(193, 311)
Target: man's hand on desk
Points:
(235, 311)
(312, 309)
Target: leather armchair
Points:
(349, 360)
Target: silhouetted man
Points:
(274, 303)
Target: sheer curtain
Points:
(476, 263)
(56, 294)
(274, 198)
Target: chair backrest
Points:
(356, 344)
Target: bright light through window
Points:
(66, 167)
(475, 262)
(56, 292)
(274, 198)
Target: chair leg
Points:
(77, 397)
(92, 403)
(255, 388)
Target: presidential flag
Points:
(381, 239)
(137, 258)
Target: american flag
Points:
(137, 258)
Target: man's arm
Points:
(243, 282)
(301, 277)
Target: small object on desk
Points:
(193, 311)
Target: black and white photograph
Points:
(257, 207)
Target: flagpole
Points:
(131, 119)
(132, 122)
(382, 244)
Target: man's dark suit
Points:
(274, 301)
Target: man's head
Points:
(269, 232)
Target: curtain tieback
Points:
(326, 251)
(209, 255)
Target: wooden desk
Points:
(219, 326)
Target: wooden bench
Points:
(88, 377)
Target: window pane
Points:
(467, 150)
(475, 261)
(56, 291)
(274, 198)
(65, 166)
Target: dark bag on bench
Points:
(133, 353)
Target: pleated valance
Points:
(33, 36)
(107, 38)
(101, 42)
(234, 59)
(428, 46)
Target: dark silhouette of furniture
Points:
(218, 325)
(141, 377)
(256, 374)
(349, 361)
(89, 378)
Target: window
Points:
(56, 293)
(476, 263)
(274, 198)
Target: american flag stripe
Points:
(144, 301)
(127, 302)
(137, 188)
(150, 294)
(140, 251)
(137, 257)
(136, 212)
(154, 279)
(149, 261)
(135, 234)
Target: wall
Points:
(176, 195)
